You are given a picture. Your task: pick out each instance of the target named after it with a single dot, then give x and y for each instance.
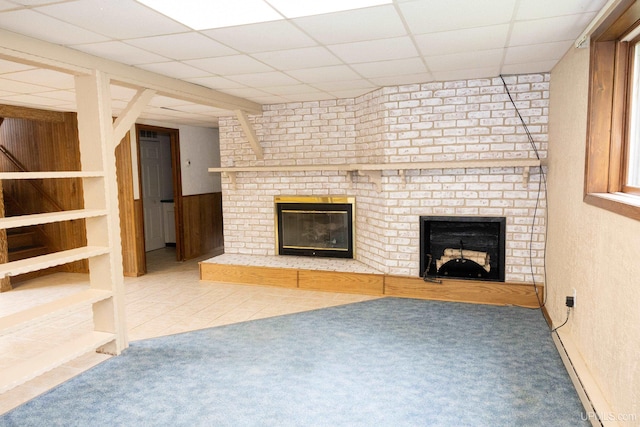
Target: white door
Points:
(151, 195)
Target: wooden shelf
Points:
(49, 217)
(455, 164)
(20, 373)
(374, 170)
(50, 260)
(51, 174)
(43, 312)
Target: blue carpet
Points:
(386, 362)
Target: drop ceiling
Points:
(334, 55)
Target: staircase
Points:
(24, 242)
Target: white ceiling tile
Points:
(402, 80)
(32, 100)
(120, 19)
(247, 92)
(537, 53)
(324, 74)
(472, 73)
(375, 50)
(121, 52)
(428, 16)
(536, 9)
(273, 78)
(174, 69)
(354, 25)
(19, 87)
(465, 60)
(32, 2)
(6, 5)
(166, 101)
(122, 93)
(272, 99)
(464, 40)
(236, 64)
(529, 67)
(215, 82)
(312, 96)
(10, 66)
(50, 78)
(350, 93)
(263, 37)
(391, 68)
(183, 46)
(67, 96)
(344, 85)
(44, 27)
(308, 57)
(289, 89)
(549, 30)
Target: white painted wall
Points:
(591, 250)
(199, 150)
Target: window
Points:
(631, 183)
(612, 173)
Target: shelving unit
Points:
(105, 295)
(374, 170)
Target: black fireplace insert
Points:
(462, 247)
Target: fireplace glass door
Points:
(315, 229)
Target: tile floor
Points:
(169, 299)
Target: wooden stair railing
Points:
(36, 185)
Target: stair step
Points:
(20, 373)
(21, 239)
(17, 254)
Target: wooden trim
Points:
(268, 276)
(604, 201)
(250, 133)
(599, 117)
(31, 114)
(333, 281)
(134, 108)
(174, 135)
(176, 165)
(470, 291)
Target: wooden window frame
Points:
(607, 128)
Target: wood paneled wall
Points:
(47, 146)
(202, 224)
(130, 230)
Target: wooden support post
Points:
(130, 114)
(250, 133)
(5, 282)
(96, 134)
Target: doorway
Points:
(160, 188)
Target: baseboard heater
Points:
(597, 410)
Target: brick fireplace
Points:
(453, 121)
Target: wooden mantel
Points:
(374, 170)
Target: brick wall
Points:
(439, 121)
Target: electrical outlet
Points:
(574, 297)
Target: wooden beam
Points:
(31, 114)
(123, 123)
(250, 133)
(27, 50)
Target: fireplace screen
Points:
(315, 229)
(462, 247)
